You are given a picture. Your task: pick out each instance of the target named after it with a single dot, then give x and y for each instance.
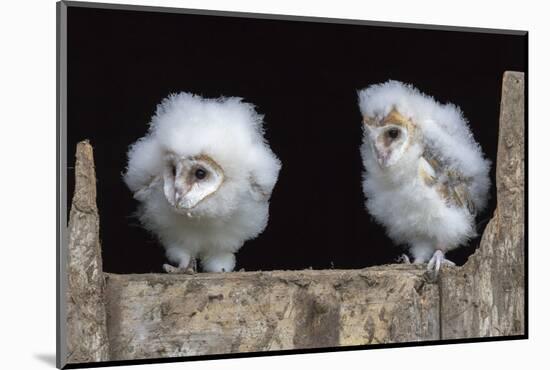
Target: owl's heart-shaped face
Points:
(190, 180)
(389, 137)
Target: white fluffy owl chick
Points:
(204, 175)
(425, 176)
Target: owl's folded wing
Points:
(449, 183)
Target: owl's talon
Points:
(438, 259)
(169, 269)
(403, 259)
(191, 268)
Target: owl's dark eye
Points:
(174, 170)
(393, 133)
(200, 173)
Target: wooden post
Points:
(486, 296)
(86, 319)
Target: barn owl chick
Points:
(425, 177)
(203, 175)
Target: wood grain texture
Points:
(87, 339)
(486, 296)
(158, 315)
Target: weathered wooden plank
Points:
(486, 296)
(159, 315)
(87, 339)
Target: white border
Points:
(27, 155)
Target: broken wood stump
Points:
(87, 339)
(486, 296)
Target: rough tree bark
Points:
(160, 315)
(87, 339)
(485, 297)
(155, 315)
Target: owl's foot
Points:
(403, 259)
(190, 269)
(438, 259)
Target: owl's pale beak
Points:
(178, 199)
(175, 191)
(382, 156)
(383, 161)
(182, 199)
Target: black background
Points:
(304, 77)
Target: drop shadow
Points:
(47, 358)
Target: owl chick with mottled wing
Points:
(425, 177)
(203, 175)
